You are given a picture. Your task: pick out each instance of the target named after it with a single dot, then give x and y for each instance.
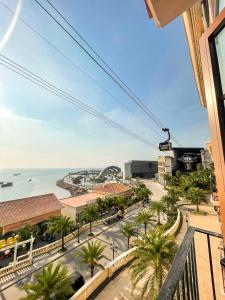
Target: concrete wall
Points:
(69, 211)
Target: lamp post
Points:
(114, 249)
(187, 221)
(210, 184)
(137, 231)
(78, 232)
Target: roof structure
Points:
(81, 200)
(19, 210)
(111, 189)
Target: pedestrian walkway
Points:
(121, 287)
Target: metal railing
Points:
(182, 279)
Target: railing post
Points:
(211, 267)
(195, 271)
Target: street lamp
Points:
(78, 226)
(186, 219)
(114, 249)
(137, 231)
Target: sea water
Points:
(43, 181)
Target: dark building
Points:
(187, 159)
(140, 168)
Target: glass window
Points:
(220, 50)
(221, 5)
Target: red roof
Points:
(111, 188)
(27, 208)
(81, 200)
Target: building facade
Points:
(33, 210)
(73, 206)
(186, 159)
(207, 161)
(165, 167)
(204, 23)
(140, 168)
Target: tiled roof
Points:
(111, 188)
(80, 200)
(27, 208)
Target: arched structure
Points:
(109, 171)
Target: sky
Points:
(38, 129)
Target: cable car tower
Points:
(167, 145)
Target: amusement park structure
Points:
(92, 176)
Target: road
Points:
(105, 234)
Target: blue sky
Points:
(39, 130)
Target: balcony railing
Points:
(182, 279)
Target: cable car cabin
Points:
(167, 145)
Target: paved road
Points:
(107, 235)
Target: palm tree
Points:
(144, 217)
(141, 192)
(157, 207)
(196, 196)
(90, 213)
(128, 230)
(62, 225)
(51, 283)
(170, 201)
(24, 232)
(153, 257)
(91, 254)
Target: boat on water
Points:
(7, 184)
(16, 174)
(29, 179)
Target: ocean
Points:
(43, 181)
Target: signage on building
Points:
(8, 242)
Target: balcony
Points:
(195, 272)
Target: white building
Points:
(165, 167)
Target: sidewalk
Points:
(208, 222)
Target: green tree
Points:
(90, 214)
(62, 225)
(121, 204)
(24, 232)
(170, 201)
(196, 196)
(51, 283)
(102, 206)
(91, 254)
(158, 207)
(141, 192)
(144, 217)
(153, 257)
(128, 230)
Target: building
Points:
(165, 167)
(186, 159)
(183, 159)
(206, 157)
(33, 210)
(140, 168)
(73, 206)
(112, 189)
(204, 23)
